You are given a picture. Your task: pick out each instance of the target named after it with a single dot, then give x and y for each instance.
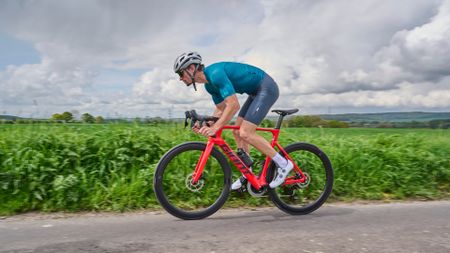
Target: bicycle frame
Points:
(257, 182)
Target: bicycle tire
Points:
(300, 199)
(184, 201)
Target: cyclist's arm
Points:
(219, 109)
(226, 101)
(230, 108)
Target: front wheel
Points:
(303, 198)
(175, 191)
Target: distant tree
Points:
(99, 120)
(296, 121)
(315, 121)
(21, 121)
(337, 124)
(306, 121)
(416, 124)
(87, 118)
(441, 123)
(57, 117)
(67, 116)
(267, 123)
(5, 121)
(155, 121)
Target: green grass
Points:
(110, 167)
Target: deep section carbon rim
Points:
(303, 198)
(175, 190)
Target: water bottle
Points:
(244, 157)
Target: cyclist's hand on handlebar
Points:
(207, 131)
(196, 127)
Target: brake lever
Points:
(187, 116)
(192, 115)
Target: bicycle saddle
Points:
(285, 112)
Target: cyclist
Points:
(223, 80)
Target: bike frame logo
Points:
(236, 160)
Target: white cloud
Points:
(423, 52)
(154, 87)
(417, 55)
(407, 95)
(349, 54)
(24, 83)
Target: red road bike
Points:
(200, 173)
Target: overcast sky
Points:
(115, 58)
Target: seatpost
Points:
(280, 120)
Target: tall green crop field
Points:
(70, 167)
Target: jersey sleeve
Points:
(220, 79)
(217, 99)
(215, 96)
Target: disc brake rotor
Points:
(194, 187)
(290, 190)
(306, 183)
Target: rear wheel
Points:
(303, 198)
(175, 191)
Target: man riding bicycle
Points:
(223, 80)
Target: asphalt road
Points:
(398, 227)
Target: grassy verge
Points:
(110, 167)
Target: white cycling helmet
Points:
(186, 59)
(183, 61)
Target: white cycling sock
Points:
(280, 161)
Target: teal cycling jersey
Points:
(227, 78)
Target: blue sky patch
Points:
(16, 52)
(205, 40)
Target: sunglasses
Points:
(180, 73)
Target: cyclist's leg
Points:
(248, 133)
(256, 111)
(241, 143)
(264, 99)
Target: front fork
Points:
(202, 162)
